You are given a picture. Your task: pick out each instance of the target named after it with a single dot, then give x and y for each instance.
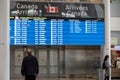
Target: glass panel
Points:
(116, 34)
(42, 57)
(75, 61)
(62, 61)
(18, 56)
(53, 61)
(42, 61)
(43, 70)
(17, 70)
(53, 57)
(53, 69)
(115, 1)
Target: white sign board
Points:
(117, 48)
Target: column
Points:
(4, 40)
(106, 48)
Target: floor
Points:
(61, 79)
(58, 79)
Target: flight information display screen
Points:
(56, 32)
(48, 24)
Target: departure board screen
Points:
(53, 28)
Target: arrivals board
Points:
(55, 27)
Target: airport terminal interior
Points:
(66, 36)
(63, 62)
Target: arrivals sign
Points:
(62, 10)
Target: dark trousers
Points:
(30, 77)
(106, 78)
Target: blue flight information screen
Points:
(47, 23)
(56, 31)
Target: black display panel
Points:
(72, 25)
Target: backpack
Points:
(103, 65)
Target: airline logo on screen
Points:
(51, 9)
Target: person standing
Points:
(107, 66)
(30, 66)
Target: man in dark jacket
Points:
(30, 66)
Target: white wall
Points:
(115, 23)
(4, 40)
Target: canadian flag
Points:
(52, 9)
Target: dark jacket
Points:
(29, 65)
